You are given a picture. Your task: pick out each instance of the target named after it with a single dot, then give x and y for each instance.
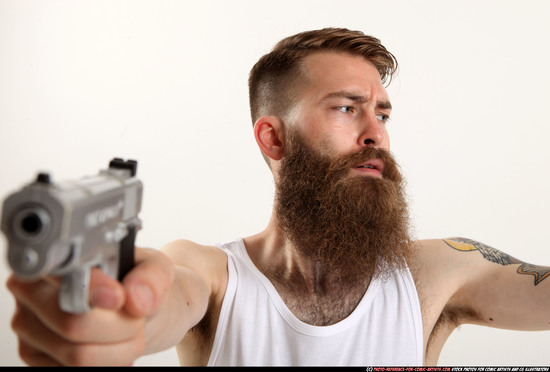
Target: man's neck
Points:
(315, 294)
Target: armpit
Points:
(450, 318)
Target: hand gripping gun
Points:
(66, 229)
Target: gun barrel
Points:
(30, 226)
(31, 223)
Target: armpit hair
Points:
(451, 318)
(204, 328)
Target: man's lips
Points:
(373, 167)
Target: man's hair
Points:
(271, 80)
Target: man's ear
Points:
(270, 136)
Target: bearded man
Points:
(334, 279)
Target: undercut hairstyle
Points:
(273, 79)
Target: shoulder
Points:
(447, 271)
(460, 260)
(436, 272)
(182, 250)
(208, 261)
(432, 256)
(446, 265)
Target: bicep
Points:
(203, 278)
(184, 303)
(503, 291)
(199, 277)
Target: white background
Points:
(165, 82)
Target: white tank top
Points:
(256, 328)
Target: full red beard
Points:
(355, 225)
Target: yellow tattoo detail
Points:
(460, 245)
(489, 253)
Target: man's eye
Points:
(383, 117)
(345, 109)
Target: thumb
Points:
(147, 283)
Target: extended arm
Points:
(462, 281)
(151, 310)
(504, 291)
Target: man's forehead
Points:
(338, 74)
(324, 62)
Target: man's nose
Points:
(371, 132)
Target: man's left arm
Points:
(501, 290)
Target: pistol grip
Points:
(73, 295)
(126, 254)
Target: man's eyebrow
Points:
(357, 98)
(384, 105)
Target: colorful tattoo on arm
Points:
(494, 255)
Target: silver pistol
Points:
(65, 229)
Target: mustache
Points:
(343, 163)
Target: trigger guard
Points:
(73, 295)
